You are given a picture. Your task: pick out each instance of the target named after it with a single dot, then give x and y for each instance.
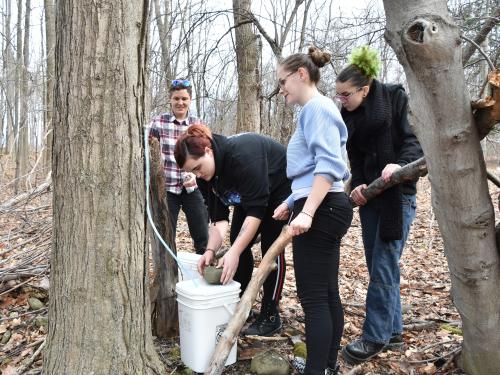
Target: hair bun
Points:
(320, 58)
(367, 60)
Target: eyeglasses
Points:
(181, 83)
(282, 81)
(345, 97)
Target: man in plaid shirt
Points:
(182, 191)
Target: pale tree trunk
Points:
(247, 60)
(163, 22)
(17, 90)
(99, 312)
(427, 44)
(50, 34)
(163, 298)
(22, 157)
(10, 78)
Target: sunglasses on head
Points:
(181, 83)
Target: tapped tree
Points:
(428, 45)
(99, 305)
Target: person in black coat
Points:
(247, 171)
(380, 142)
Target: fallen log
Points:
(240, 316)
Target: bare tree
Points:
(22, 154)
(99, 314)
(247, 56)
(427, 44)
(49, 74)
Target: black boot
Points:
(268, 321)
(395, 343)
(361, 351)
(333, 371)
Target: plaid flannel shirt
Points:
(166, 128)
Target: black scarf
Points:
(370, 126)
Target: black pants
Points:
(195, 210)
(316, 261)
(269, 230)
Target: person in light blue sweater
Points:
(320, 212)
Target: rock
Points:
(6, 337)
(42, 321)
(212, 275)
(269, 363)
(300, 350)
(35, 303)
(185, 371)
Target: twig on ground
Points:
(28, 363)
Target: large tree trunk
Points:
(247, 59)
(427, 44)
(50, 35)
(99, 313)
(163, 298)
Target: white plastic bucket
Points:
(204, 311)
(189, 262)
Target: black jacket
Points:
(250, 171)
(362, 152)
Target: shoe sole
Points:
(353, 360)
(267, 334)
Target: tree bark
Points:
(99, 311)
(427, 44)
(22, 157)
(247, 60)
(165, 317)
(17, 89)
(50, 44)
(240, 315)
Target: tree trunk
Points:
(99, 312)
(22, 157)
(10, 77)
(247, 60)
(427, 44)
(50, 43)
(17, 89)
(163, 298)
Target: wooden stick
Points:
(237, 321)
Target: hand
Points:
(281, 212)
(300, 224)
(357, 195)
(389, 170)
(205, 260)
(189, 180)
(230, 262)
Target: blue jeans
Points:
(383, 303)
(195, 210)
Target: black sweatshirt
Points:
(362, 152)
(250, 171)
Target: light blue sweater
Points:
(316, 148)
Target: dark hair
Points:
(192, 143)
(355, 75)
(180, 84)
(312, 61)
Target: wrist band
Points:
(305, 213)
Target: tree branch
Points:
(481, 36)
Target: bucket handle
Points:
(231, 312)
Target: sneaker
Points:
(361, 351)
(267, 323)
(333, 371)
(299, 364)
(396, 342)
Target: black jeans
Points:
(269, 230)
(316, 261)
(195, 210)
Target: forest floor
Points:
(432, 325)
